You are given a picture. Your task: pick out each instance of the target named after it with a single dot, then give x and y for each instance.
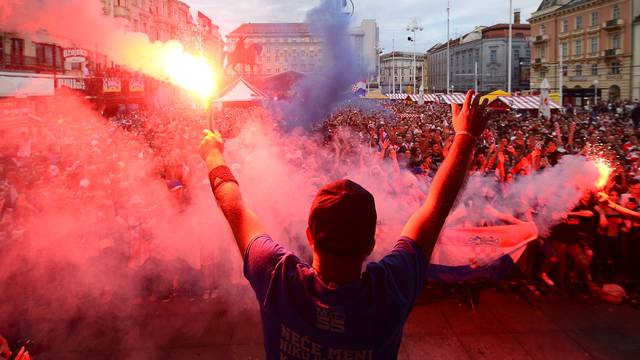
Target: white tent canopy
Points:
(239, 91)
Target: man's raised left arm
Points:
(243, 222)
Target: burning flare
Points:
(604, 171)
(194, 74)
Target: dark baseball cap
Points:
(342, 220)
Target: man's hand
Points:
(472, 117)
(211, 149)
(425, 225)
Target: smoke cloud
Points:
(99, 233)
(106, 233)
(317, 95)
(83, 23)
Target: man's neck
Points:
(332, 269)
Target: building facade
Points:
(161, 20)
(479, 60)
(293, 47)
(164, 20)
(435, 62)
(592, 40)
(397, 69)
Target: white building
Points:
(397, 69)
(293, 47)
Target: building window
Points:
(615, 68)
(1, 50)
(594, 18)
(578, 70)
(594, 45)
(565, 49)
(594, 69)
(616, 12)
(615, 41)
(565, 70)
(578, 22)
(494, 55)
(565, 25)
(17, 51)
(543, 73)
(578, 47)
(542, 29)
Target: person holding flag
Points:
(331, 308)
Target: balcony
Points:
(577, 56)
(609, 53)
(541, 39)
(26, 63)
(577, 32)
(539, 61)
(563, 35)
(593, 29)
(122, 12)
(592, 55)
(613, 24)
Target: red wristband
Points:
(219, 176)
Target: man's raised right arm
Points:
(425, 224)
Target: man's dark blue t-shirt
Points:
(303, 318)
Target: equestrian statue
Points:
(244, 56)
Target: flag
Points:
(545, 106)
(360, 88)
(479, 253)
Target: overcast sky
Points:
(392, 16)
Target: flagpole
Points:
(448, 55)
(393, 63)
(510, 51)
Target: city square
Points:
(319, 179)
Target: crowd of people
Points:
(592, 242)
(68, 159)
(412, 137)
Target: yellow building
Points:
(594, 39)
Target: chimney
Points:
(516, 16)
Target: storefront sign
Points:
(72, 83)
(75, 55)
(136, 85)
(111, 85)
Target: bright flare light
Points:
(604, 171)
(194, 74)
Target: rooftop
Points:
(270, 29)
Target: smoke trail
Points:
(90, 28)
(317, 95)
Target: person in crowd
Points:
(332, 303)
(572, 240)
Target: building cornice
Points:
(565, 9)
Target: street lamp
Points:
(380, 50)
(414, 25)
(595, 92)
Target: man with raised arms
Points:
(331, 308)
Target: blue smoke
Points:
(317, 95)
